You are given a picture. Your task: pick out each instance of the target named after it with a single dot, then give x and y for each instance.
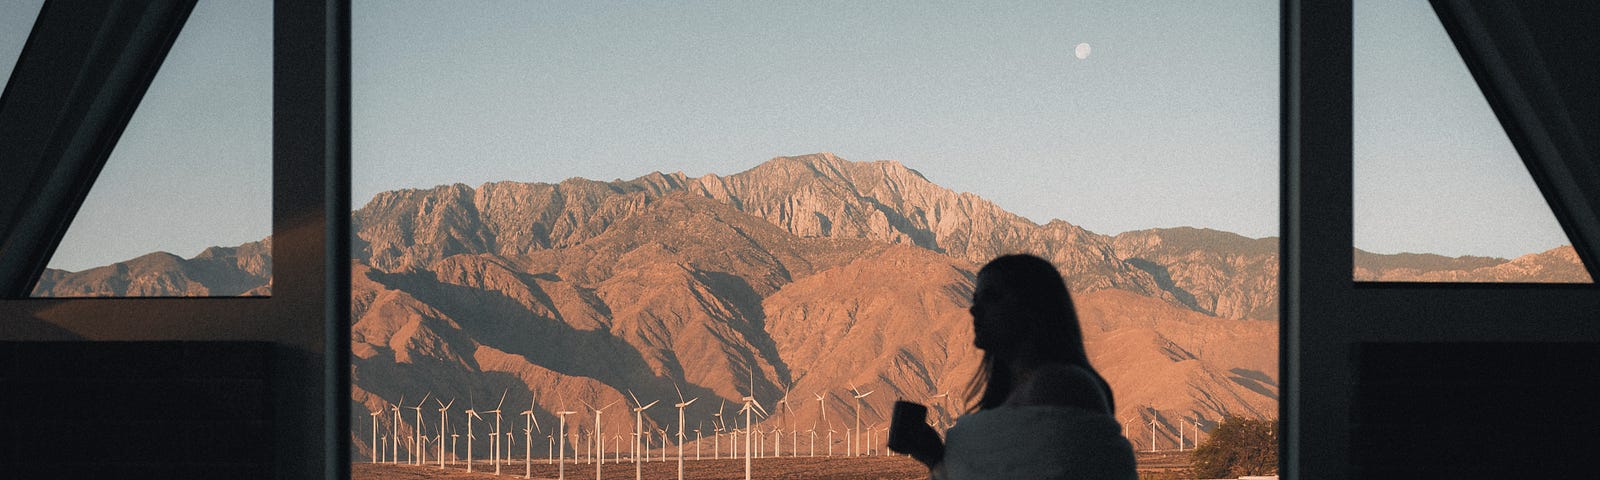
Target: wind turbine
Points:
(858, 397)
(494, 440)
(813, 432)
(638, 431)
(471, 414)
(1180, 434)
(750, 406)
(1152, 434)
(453, 436)
(373, 447)
(416, 442)
(830, 439)
(442, 409)
(697, 439)
(716, 431)
(395, 458)
(511, 439)
(561, 462)
(1197, 433)
(498, 431)
(384, 442)
(596, 434)
(527, 437)
(681, 405)
(783, 409)
(663, 433)
(616, 454)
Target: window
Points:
(16, 20)
(571, 204)
(1440, 193)
(183, 206)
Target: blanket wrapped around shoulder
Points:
(1036, 442)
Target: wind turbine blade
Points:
(690, 401)
(424, 399)
(652, 404)
(635, 399)
(680, 391)
(502, 398)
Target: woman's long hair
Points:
(1046, 322)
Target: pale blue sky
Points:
(1171, 121)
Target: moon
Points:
(1082, 51)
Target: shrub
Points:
(1238, 447)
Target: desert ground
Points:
(1159, 465)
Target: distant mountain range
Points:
(812, 274)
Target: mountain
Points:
(1232, 276)
(1556, 265)
(245, 270)
(810, 273)
(801, 278)
(1210, 271)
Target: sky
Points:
(1171, 120)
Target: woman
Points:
(1040, 410)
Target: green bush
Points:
(1238, 447)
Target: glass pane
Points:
(573, 204)
(183, 206)
(1440, 193)
(16, 22)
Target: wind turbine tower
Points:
(750, 406)
(717, 427)
(494, 439)
(857, 441)
(373, 447)
(663, 433)
(395, 432)
(443, 407)
(638, 432)
(561, 451)
(529, 424)
(416, 440)
(1152, 434)
(471, 414)
(602, 453)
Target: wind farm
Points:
(657, 453)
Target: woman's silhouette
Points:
(1039, 409)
